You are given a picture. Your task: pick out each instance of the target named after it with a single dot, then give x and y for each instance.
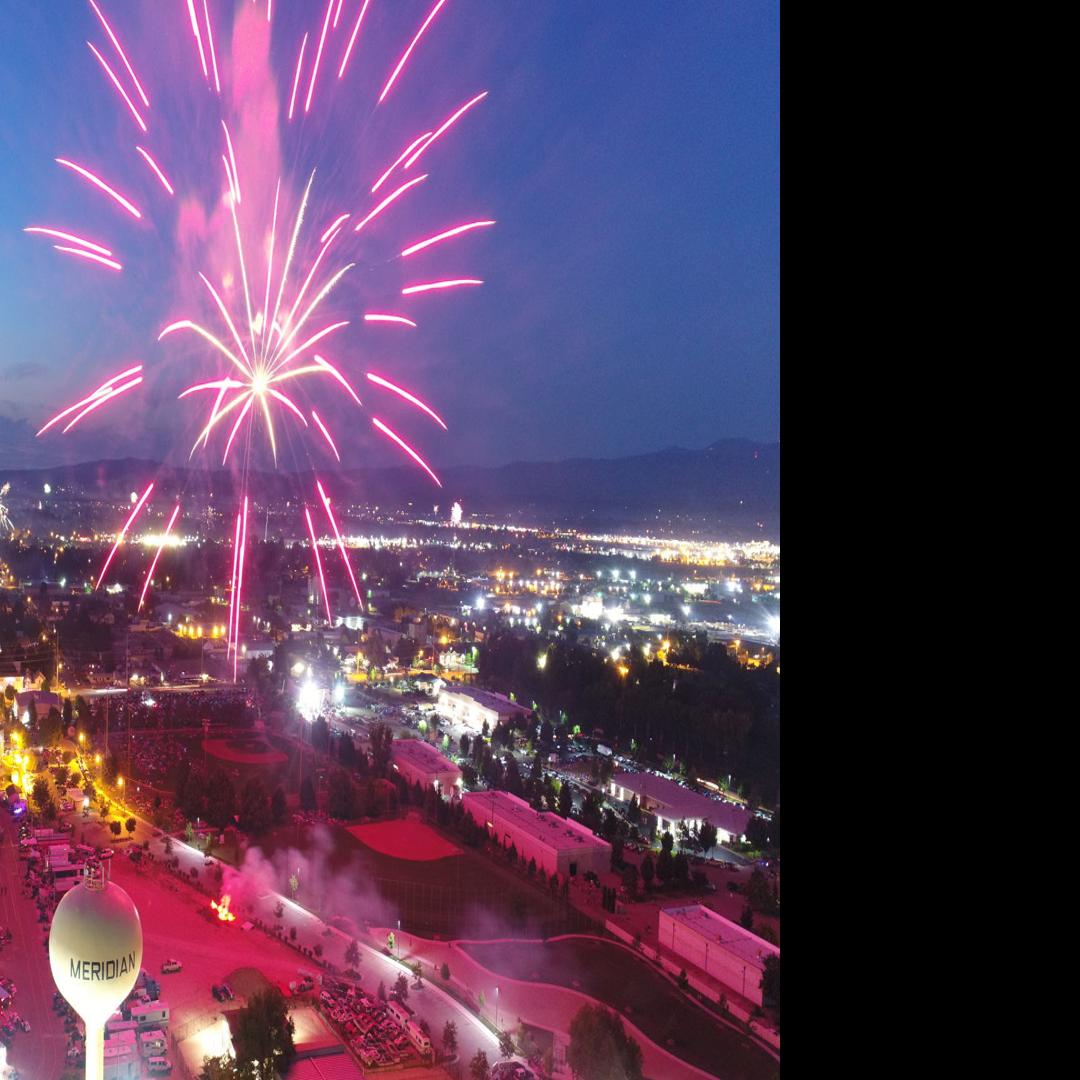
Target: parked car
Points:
(170, 966)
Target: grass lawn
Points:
(635, 989)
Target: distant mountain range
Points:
(732, 485)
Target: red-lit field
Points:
(405, 839)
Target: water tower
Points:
(95, 951)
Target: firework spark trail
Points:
(318, 56)
(394, 195)
(373, 316)
(84, 254)
(404, 154)
(446, 125)
(44, 231)
(326, 434)
(210, 42)
(157, 170)
(328, 367)
(333, 228)
(232, 586)
(116, 391)
(318, 563)
(270, 265)
(310, 341)
(240, 585)
(187, 324)
(304, 318)
(101, 390)
(236, 427)
(412, 249)
(378, 380)
(406, 447)
(288, 403)
(98, 182)
(123, 532)
(120, 51)
(292, 246)
(232, 159)
(337, 14)
(340, 541)
(296, 78)
(161, 547)
(116, 82)
(299, 299)
(243, 273)
(408, 51)
(198, 36)
(229, 178)
(228, 322)
(352, 39)
(450, 283)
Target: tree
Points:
(667, 843)
(263, 1036)
(648, 870)
(449, 1036)
(255, 813)
(401, 987)
(566, 800)
(506, 1044)
(278, 807)
(463, 745)
(352, 954)
(633, 811)
(168, 845)
(381, 993)
(684, 981)
(115, 827)
(444, 971)
(279, 910)
(218, 1068)
(706, 836)
(770, 982)
(746, 919)
(341, 796)
(478, 1067)
(40, 792)
(599, 1047)
(130, 825)
(307, 793)
(220, 800)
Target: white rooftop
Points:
(421, 754)
(683, 804)
(550, 829)
(705, 922)
(496, 702)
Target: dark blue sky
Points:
(629, 151)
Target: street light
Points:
(496, 1008)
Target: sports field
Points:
(405, 839)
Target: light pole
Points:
(496, 1008)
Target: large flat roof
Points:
(682, 803)
(554, 831)
(496, 702)
(421, 754)
(731, 936)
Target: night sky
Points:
(628, 149)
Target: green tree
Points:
(449, 1037)
(746, 919)
(478, 1067)
(401, 987)
(40, 793)
(352, 954)
(255, 812)
(341, 796)
(263, 1036)
(599, 1047)
(506, 1044)
(218, 1068)
(220, 800)
(566, 800)
(444, 971)
(278, 807)
(115, 827)
(648, 870)
(130, 825)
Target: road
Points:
(41, 1053)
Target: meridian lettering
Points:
(102, 970)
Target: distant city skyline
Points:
(631, 296)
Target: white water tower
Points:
(95, 951)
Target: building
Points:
(558, 844)
(672, 804)
(473, 708)
(420, 763)
(717, 946)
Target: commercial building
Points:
(717, 946)
(558, 844)
(473, 708)
(672, 804)
(420, 763)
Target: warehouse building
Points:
(473, 708)
(558, 845)
(717, 946)
(420, 763)
(672, 804)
